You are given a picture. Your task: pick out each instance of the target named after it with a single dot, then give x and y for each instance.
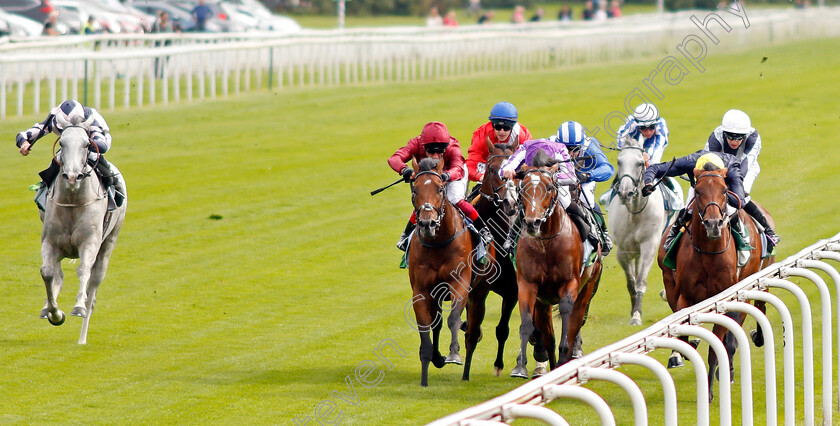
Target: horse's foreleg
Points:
(96, 277)
(502, 332)
(422, 306)
(475, 316)
(544, 346)
(87, 257)
(454, 323)
(757, 335)
(564, 311)
(438, 360)
(53, 278)
(527, 299)
(644, 262)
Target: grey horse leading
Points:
(76, 227)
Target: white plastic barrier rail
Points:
(145, 70)
(565, 381)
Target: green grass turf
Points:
(260, 316)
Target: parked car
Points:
(18, 26)
(179, 16)
(37, 10)
(221, 17)
(266, 19)
(131, 19)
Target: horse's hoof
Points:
(79, 311)
(662, 295)
(576, 353)
(438, 361)
(454, 359)
(674, 362)
(520, 372)
(694, 343)
(44, 314)
(636, 319)
(59, 321)
(464, 326)
(497, 371)
(540, 370)
(757, 338)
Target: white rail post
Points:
(699, 372)
(669, 391)
(639, 407)
(744, 354)
(551, 392)
(789, 367)
(514, 411)
(836, 277)
(769, 353)
(825, 309)
(724, 380)
(807, 342)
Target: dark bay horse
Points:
(550, 269)
(707, 260)
(494, 209)
(439, 265)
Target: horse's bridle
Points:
(441, 211)
(555, 198)
(636, 181)
(98, 154)
(701, 213)
(494, 194)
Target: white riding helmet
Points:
(67, 112)
(646, 115)
(736, 121)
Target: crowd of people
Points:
(593, 10)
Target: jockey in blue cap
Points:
(592, 166)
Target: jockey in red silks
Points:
(502, 128)
(435, 142)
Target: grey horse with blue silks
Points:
(77, 225)
(635, 223)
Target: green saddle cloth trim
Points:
(670, 260)
(404, 261)
(740, 243)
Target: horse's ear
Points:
(515, 143)
(553, 169)
(489, 144)
(414, 165)
(439, 166)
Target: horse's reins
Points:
(83, 175)
(555, 200)
(441, 211)
(494, 195)
(702, 212)
(635, 182)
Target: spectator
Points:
(88, 27)
(601, 13)
(450, 20)
(162, 25)
(51, 26)
(434, 19)
(588, 11)
(538, 15)
(474, 8)
(201, 13)
(565, 13)
(518, 16)
(615, 9)
(487, 17)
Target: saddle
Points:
(741, 239)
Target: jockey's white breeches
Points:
(456, 190)
(587, 194)
(689, 207)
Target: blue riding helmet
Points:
(571, 133)
(503, 111)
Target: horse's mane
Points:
(428, 164)
(76, 120)
(709, 166)
(627, 140)
(503, 146)
(541, 159)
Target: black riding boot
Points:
(106, 175)
(754, 211)
(606, 241)
(486, 238)
(577, 215)
(682, 218)
(513, 234)
(47, 178)
(402, 244)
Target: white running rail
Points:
(564, 381)
(145, 70)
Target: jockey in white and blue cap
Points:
(651, 130)
(592, 166)
(60, 118)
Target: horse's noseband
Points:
(441, 211)
(550, 187)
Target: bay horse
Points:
(495, 209)
(439, 265)
(635, 223)
(707, 260)
(77, 225)
(550, 271)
